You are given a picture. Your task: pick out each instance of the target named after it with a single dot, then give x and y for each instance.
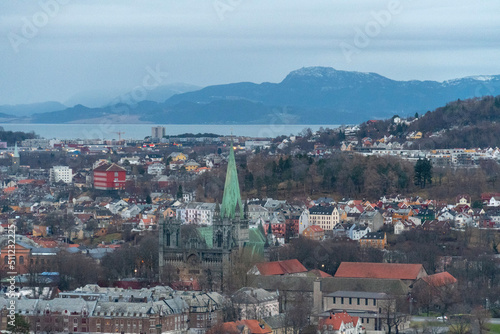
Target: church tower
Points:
(16, 160)
(231, 221)
(207, 249)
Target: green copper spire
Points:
(16, 151)
(231, 200)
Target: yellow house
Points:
(178, 156)
(39, 231)
(374, 240)
(169, 213)
(191, 166)
(417, 135)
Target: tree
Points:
(169, 274)
(394, 313)
(423, 172)
(21, 325)
(481, 318)
(179, 192)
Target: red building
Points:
(109, 177)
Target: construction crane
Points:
(119, 134)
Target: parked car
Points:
(442, 318)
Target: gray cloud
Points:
(93, 44)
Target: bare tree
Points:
(481, 318)
(394, 313)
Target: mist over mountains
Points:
(311, 95)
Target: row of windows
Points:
(350, 299)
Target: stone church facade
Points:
(209, 248)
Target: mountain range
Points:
(311, 95)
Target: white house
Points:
(156, 168)
(494, 201)
(61, 173)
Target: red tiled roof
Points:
(25, 181)
(254, 327)
(9, 189)
(280, 267)
(315, 228)
(378, 270)
(440, 279)
(337, 319)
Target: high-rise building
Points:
(157, 132)
(61, 173)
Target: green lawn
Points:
(494, 328)
(107, 238)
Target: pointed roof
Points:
(16, 151)
(232, 197)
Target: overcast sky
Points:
(52, 52)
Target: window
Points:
(6, 260)
(350, 300)
(366, 301)
(374, 302)
(358, 301)
(21, 259)
(341, 300)
(367, 320)
(334, 300)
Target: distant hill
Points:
(20, 110)
(460, 113)
(469, 123)
(312, 95)
(102, 98)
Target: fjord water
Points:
(139, 131)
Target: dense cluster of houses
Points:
(359, 298)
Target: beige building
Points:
(326, 217)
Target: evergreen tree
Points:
(21, 325)
(423, 172)
(179, 192)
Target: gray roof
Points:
(329, 284)
(276, 321)
(123, 309)
(321, 210)
(389, 286)
(358, 294)
(201, 301)
(61, 305)
(252, 296)
(44, 251)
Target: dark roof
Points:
(321, 210)
(374, 235)
(109, 168)
(329, 284)
(358, 294)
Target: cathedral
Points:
(207, 247)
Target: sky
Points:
(52, 50)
